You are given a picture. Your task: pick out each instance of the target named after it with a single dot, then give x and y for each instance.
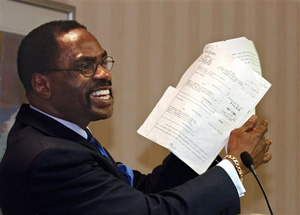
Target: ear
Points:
(41, 85)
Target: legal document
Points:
(216, 94)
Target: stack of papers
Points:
(216, 94)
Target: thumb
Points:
(250, 124)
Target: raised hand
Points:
(251, 139)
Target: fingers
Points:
(262, 129)
(268, 143)
(264, 126)
(252, 139)
(250, 124)
(267, 158)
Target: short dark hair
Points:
(39, 49)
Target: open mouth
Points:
(101, 98)
(103, 94)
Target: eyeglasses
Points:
(88, 69)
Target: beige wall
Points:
(153, 43)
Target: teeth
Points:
(105, 97)
(101, 93)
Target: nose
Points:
(102, 73)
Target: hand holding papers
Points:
(217, 94)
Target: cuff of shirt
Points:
(229, 168)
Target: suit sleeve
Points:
(65, 181)
(172, 172)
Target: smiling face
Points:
(70, 95)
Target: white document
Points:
(217, 94)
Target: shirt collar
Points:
(68, 124)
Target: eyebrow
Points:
(90, 58)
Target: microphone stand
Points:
(248, 162)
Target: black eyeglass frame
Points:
(81, 69)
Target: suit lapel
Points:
(51, 127)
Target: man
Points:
(52, 165)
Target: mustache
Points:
(100, 83)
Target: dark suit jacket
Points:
(49, 169)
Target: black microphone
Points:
(248, 162)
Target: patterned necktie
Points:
(125, 170)
(95, 143)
